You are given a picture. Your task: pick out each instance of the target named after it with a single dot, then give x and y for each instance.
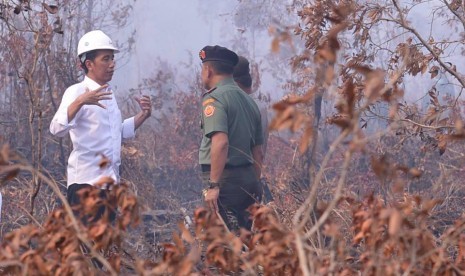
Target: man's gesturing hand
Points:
(145, 104)
(95, 96)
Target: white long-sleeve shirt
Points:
(94, 132)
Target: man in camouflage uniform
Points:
(230, 154)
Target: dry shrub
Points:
(57, 246)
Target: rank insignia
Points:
(202, 55)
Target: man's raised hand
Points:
(93, 97)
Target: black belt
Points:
(207, 167)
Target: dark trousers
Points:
(74, 194)
(239, 188)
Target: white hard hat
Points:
(95, 40)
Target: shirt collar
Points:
(91, 84)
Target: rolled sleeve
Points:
(128, 130)
(59, 125)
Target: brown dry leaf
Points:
(374, 14)
(326, 54)
(434, 71)
(329, 76)
(169, 252)
(349, 95)
(393, 110)
(395, 222)
(237, 245)
(366, 225)
(53, 9)
(306, 139)
(28, 254)
(424, 67)
(361, 214)
(70, 249)
(385, 213)
(442, 144)
(430, 204)
(358, 237)
(128, 202)
(185, 234)
(398, 186)
(341, 120)
(281, 105)
(283, 119)
(179, 244)
(380, 166)
(297, 122)
(374, 81)
(98, 229)
(275, 45)
(459, 126)
(415, 172)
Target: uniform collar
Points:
(209, 91)
(226, 81)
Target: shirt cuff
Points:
(128, 128)
(63, 120)
(60, 125)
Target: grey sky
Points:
(176, 30)
(173, 31)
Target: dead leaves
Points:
(54, 248)
(374, 82)
(280, 36)
(327, 51)
(387, 235)
(288, 116)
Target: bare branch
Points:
(459, 17)
(446, 67)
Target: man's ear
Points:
(209, 70)
(88, 64)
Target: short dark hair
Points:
(91, 55)
(221, 68)
(242, 73)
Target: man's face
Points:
(101, 69)
(205, 76)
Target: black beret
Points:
(218, 53)
(242, 72)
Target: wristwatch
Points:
(212, 185)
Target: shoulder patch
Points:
(208, 101)
(209, 110)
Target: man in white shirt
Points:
(90, 114)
